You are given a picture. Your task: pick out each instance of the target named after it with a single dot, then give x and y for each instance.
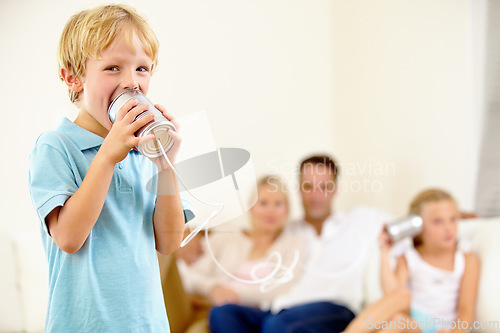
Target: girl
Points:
(434, 285)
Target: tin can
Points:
(159, 126)
(409, 226)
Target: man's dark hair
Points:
(321, 159)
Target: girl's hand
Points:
(384, 240)
(176, 136)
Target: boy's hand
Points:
(174, 150)
(121, 138)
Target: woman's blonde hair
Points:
(91, 31)
(275, 183)
(424, 197)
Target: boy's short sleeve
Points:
(51, 180)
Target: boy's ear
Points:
(73, 82)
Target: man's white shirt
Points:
(335, 260)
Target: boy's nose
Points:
(130, 82)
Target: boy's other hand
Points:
(121, 138)
(176, 136)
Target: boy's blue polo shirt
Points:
(112, 284)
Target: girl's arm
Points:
(389, 279)
(468, 292)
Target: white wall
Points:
(406, 114)
(387, 86)
(260, 68)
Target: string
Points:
(268, 282)
(214, 213)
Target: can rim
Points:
(151, 126)
(114, 101)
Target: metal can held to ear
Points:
(409, 226)
(159, 126)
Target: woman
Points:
(242, 252)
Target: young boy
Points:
(100, 227)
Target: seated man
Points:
(329, 291)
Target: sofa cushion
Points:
(9, 288)
(484, 238)
(32, 279)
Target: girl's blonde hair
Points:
(89, 32)
(424, 197)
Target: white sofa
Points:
(23, 282)
(23, 279)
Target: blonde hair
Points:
(424, 197)
(275, 183)
(91, 31)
